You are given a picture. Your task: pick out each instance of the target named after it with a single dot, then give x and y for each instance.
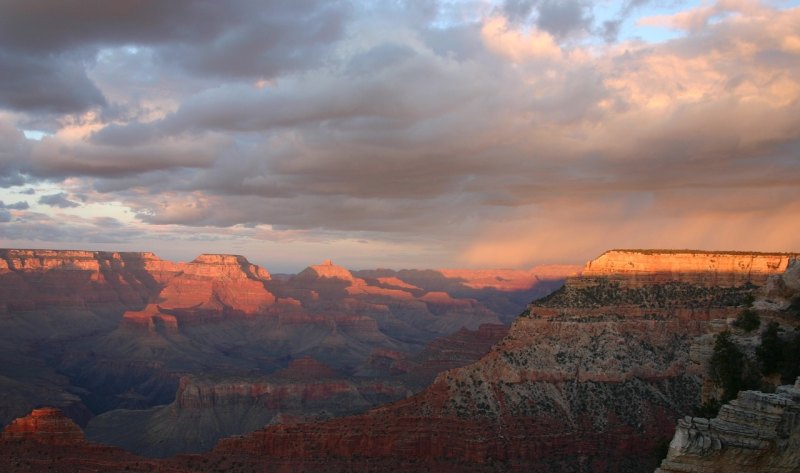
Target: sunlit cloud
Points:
(500, 133)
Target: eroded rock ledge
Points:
(757, 432)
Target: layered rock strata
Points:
(209, 288)
(42, 279)
(208, 408)
(757, 432)
(715, 268)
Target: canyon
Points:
(116, 339)
(592, 377)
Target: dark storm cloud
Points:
(243, 37)
(564, 17)
(45, 45)
(14, 153)
(56, 160)
(58, 200)
(46, 84)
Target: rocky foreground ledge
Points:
(757, 432)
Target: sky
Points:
(400, 134)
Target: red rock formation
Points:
(46, 425)
(217, 283)
(208, 289)
(36, 279)
(326, 270)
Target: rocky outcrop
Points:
(757, 432)
(46, 425)
(782, 292)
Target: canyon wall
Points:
(713, 268)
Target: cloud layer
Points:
(453, 133)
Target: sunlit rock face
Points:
(711, 268)
(42, 279)
(757, 432)
(326, 270)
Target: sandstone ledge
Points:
(757, 432)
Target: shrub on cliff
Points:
(778, 354)
(790, 367)
(731, 369)
(748, 320)
(770, 352)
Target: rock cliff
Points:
(42, 279)
(757, 432)
(710, 268)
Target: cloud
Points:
(46, 84)
(412, 126)
(21, 205)
(58, 200)
(47, 46)
(5, 214)
(609, 29)
(562, 18)
(519, 10)
(239, 38)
